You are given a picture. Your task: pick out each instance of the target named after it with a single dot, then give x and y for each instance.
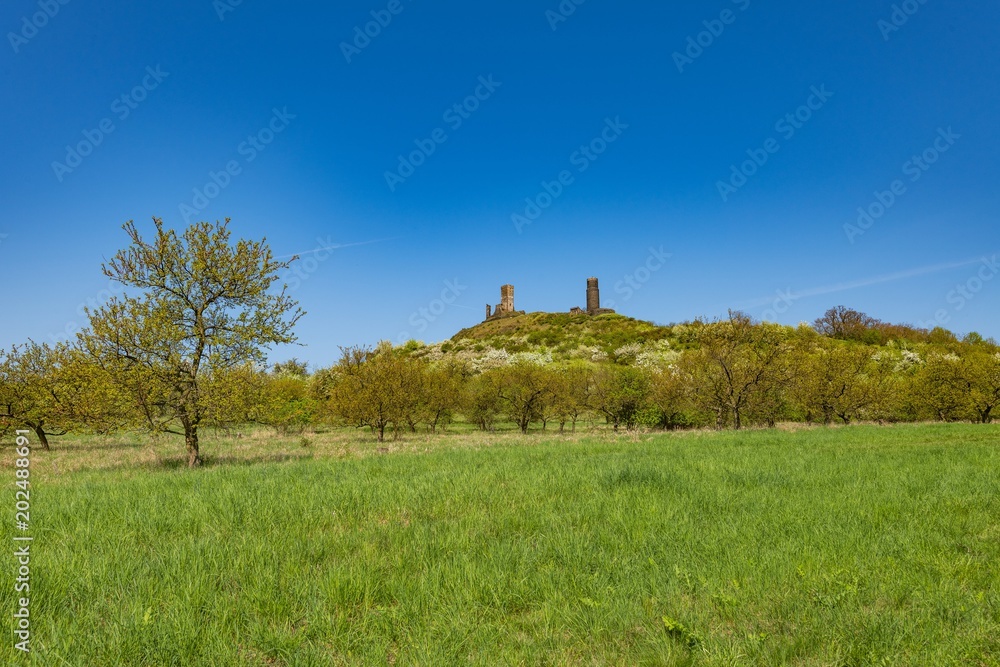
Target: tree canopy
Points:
(194, 302)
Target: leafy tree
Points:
(620, 394)
(481, 400)
(441, 393)
(52, 390)
(940, 387)
(291, 367)
(376, 388)
(982, 374)
(844, 381)
(738, 367)
(572, 386)
(671, 396)
(197, 303)
(233, 397)
(844, 323)
(525, 391)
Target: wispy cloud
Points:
(864, 282)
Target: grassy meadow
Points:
(811, 546)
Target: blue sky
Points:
(652, 115)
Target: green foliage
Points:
(569, 336)
(291, 367)
(196, 303)
(53, 390)
(620, 394)
(681, 632)
(378, 388)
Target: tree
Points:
(441, 393)
(481, 400)
(738, 368)
(234, 396)
(670, 395)
(846, 381)
(376, 388)
(620, 394)
(844, 323)
(291, 367)
(52, 390)
(200, 304)
(525, 389)
(941, 387)
(982, 374)
(572, 386)
(286, 404)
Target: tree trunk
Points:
(381, 432)
(40, 432)
(191, 440)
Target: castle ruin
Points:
(593, 301)
(506, 306)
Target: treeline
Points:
(729, 374)
(736, 373)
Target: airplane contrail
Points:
(866, 282)
(335, 246)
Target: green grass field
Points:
(852, 546)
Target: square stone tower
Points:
(505, 307)
(506, 299)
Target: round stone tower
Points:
(593, 296)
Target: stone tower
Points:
(506, 305)
(507, 299)
(593, 296)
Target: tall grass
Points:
(854, 546)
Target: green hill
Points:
(563, 336)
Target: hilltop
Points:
(561, 336)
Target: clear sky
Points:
(694, 158)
